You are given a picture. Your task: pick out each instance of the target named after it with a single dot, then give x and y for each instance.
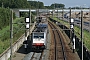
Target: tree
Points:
(36, 4)
(57, 5)
(41, 5)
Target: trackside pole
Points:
(11, 33)
(82, 31)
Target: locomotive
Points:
(39, 35)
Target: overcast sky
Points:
(68, 3)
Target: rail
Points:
(57, 33)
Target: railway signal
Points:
(27, 21)
(73, 35)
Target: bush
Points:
(4, 17)
(5, 34)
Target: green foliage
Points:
(4, 17)
(57, 5)
(49, 7)
(86, 39)
(28, 4)
(5, 34)
(32, 18)
(14, 3)
(35, 4)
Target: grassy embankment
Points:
(5, 34)
(86, 34)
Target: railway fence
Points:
(6, 54)
(78, 42)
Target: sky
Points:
(68, 3)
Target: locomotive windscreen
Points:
(38, 35)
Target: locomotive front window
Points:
(38, 35)
(41, 36)
(35, 36)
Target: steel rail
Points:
(62, 43)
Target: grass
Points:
(5, 34)
(86, 34)
(87, 39)
(62, 21)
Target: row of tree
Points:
(28, 4)
(7, 4)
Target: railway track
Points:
(58, 50)
(34, 56)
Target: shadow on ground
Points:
(22, 50)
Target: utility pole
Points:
(70, 27)
(11, 33)
(70, 15)
(82, 31)
(37, 8)
(62, 14)
(53, 10)
(57, 13)
(30, 22)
